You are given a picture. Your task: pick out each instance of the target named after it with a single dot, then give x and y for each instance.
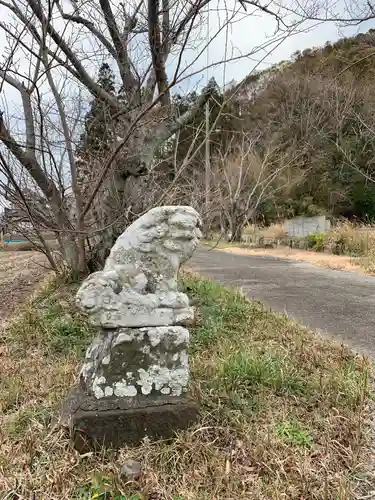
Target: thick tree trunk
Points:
(122, 195)
(71, 249)
(121, 201)
(99, 251)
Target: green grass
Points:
(282, 410)
(18, 425)
(11, 388)
(249, 371)
(52, 322)
(294, 433)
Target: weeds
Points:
(315, 241)
(294, 433)
(350, 239)
(52, 322)
(357, 242)
(251, 370)
(20, 422)
(282, 410)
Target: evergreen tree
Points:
(97, 135)
(225, 125)
(98, 127)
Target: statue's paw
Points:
(175, 300)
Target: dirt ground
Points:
(342, 262)
(19, 274)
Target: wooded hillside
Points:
(295, 139)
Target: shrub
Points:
(351, 239)
(316, 241)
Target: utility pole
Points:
(207, 143)
(207, 161)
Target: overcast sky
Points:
(242, 35)
(248, 31)
(253, 31)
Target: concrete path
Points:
(337, 303)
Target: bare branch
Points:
(94, 88)
(46, 249)
(157, 55)
(45, 183)
(121, 48)
(91, 27)
(28, 112)
(194, 10)
(166, 130)
(166, 28)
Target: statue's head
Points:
(168, 230)
(184, 231)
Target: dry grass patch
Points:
(20, 273)
(272, 231)
(347, 246)
(356, 241)
(221, 243)
(330, 261)
(17, 246)
(282, 410)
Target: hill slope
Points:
(322, 102)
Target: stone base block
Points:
(129, 362)
(112, 423)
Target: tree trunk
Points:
(98, 253)
(236, 228)
(236, 223)
(121, 200)
(71, 249)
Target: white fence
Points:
(303, 226)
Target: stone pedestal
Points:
(114, 422)
(137, 361)
(133, 384)
(135, 376)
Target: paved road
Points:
(337, 303)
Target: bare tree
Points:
(247, 175)
(53, 51)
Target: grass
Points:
(16, 246)
(283, 412)
(251, 371)
(294, 433)
(358, 241)
(273, 231)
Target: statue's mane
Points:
(155, 232)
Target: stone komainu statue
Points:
(134, 381)
(138, 285)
